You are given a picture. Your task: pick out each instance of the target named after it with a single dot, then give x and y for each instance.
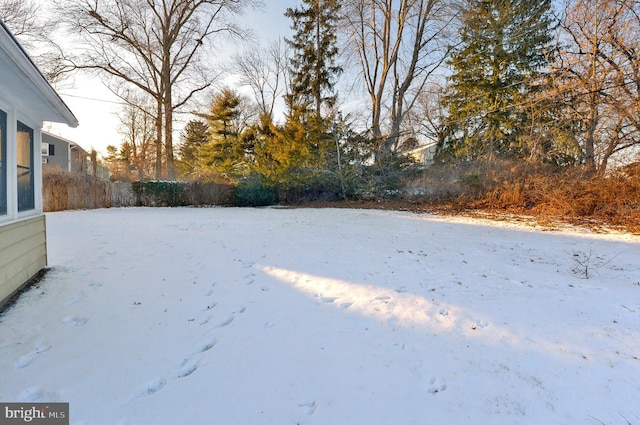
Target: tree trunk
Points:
(168, 135)
(159, 140)
(318, 62)
(589, 144)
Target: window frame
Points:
(4, 183)
(25, 191)
(35, 206)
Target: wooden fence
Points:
(62, 190)
(66, 191)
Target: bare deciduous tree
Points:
(266, 73)
(25, 19)
(399, 46)
(21, 16)
(138, 129)
(154, 45)
(599, 77)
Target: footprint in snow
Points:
(436, 386)
(75, 320)
(225, 322)
(186, 366)
(310, 406)
(79, 296)
(36, 394)
(26, 360)
(345, 305)
(400, 345)
(207, 346)
(480, 324)
(211, 306)
(186, 370)
(41, 327)
(152, 387)
(328, 299)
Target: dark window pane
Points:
(25, 157)
(3, 163)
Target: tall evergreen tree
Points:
(497, 68)
(225, 152)
(194, 135)
(313, 65)
(300, 145)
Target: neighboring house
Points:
(56, 152)
(423, 154)
(26, 101)
(69, 156)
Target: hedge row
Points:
(175, 194)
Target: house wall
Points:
(424, 154)
(27, 99)
(60, 158)
(23, 253)
(70, 157)
(22, 231)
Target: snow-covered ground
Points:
(326, 316)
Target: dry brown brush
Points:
(569, 194)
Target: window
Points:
(48, 149)
(25, 169)
(3, 163)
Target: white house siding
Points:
(26, 100)
(23, 253)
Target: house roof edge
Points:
(22, 59)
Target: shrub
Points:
(253, 191)
(159, 193)
(209, 193)
(310, 185)
(174, 194)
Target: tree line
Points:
(362, 82)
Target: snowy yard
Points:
(326, 316)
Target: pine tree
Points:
(497, 68)
(194, 135)
(313, 66)
(300, 145)
(225, 152)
